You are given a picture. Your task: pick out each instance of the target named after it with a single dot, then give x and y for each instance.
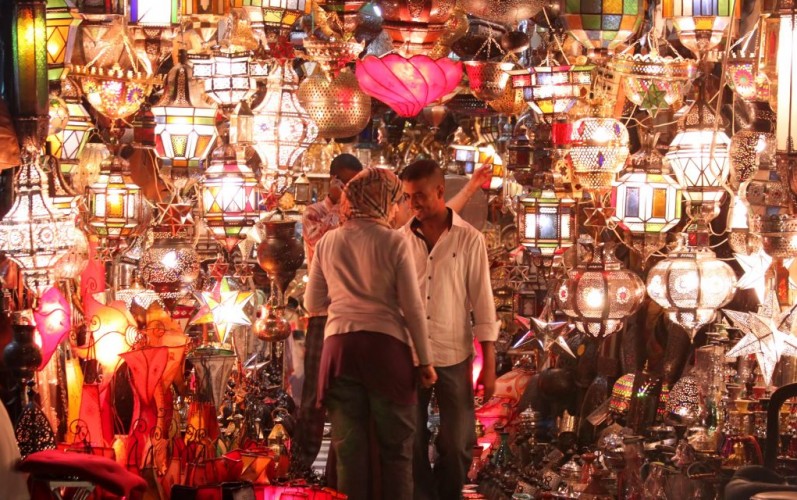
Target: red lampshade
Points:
(53, 321)
(408, 85)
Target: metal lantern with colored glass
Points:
(699, 158)
(283, 128)
(701, 24)
(185, 129)
(547, 223)
(603, 25)
(335, 103)
(646, 200)
(116, 208)
(551, 90)
(598, 149)
(654, 82)
(62, 21)
(226, 76)
(691, 283)
(230, 198)
(600, 293)
(68, 144)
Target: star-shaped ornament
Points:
(755, 269)
(762, 337)
(599, 217)
(177, 218)
(224, 308)
(653, 100)
(544, 334)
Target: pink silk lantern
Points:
(53, 322)
(407, 85)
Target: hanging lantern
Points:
(603, 25)
(335, 103)
(653, 82)
(283, 129)
(510, 102)
(778, 235)
(415, 26)
(117, 210)
(699, 158)
(33, 233)
(332, 55)
(62, 23)
(647, 200)
(701, 24)
(185, 129)
(487, 80)
(598, 148)
(229, 197)
(68, 144)
(552, 90)
(599, 293)
(226, 75)
(753, 147)
(506, 12)
(213, 368)
(622, 390)
(154, 13)
(547, 223)
(407, 85)
(28, 57)
(691, 284)
(743, 73)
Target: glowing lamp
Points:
(185, 129)
(487, 80)
(699, 158)
(154, 13)
(53, 322)
(701, 24)
(226, 76)
(112, 332)
(283, 130)
(600, 293)
(62, 25)
(471, 157)
(34, 233)
(415, 26)
(754, 147)
(67, 144)
(604, 24)
(691, 284)
(117, 210)
(547, 222)
(229, 197)
(598, 150)
(29, 58)
(620, 400)
(654, 82)
(335, 103)
(552, 90)
(407, 85)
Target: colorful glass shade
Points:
(117, 210)
(34, 233)
(701, 24)
(62, 25)
(654, 82)
(335, 103)
(691, 284)
(599, 294)
(743, 76)
(547, 222)
(185, 129)
(603, 24)
(53, 322)
(552, 90)
(598, 149)
(699, 157)
(283, 130)
(620, 400)
(226, 76)
(154, 13)
(277, 15)
(647, 202)
(229, 197)
(407, 85)
(67, 144)
(29, 56)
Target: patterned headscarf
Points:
(370, 194)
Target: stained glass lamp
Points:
(226, 76)
(34, 233)
(701, 24)
(283, 130)
(62, 23)
(603, 25)
(68, 144)
(699, 158)
(654, 82)
(230, 198)
(552, 89)
(598, 149)
(185, 129)
(600, 293)
(547, 223)
(154, 13)
(691, 283)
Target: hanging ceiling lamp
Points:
(598, 148)
(408, 85)
(600, 293)
(226, 74)
(701, 24)
(487, 79)
(185, 129)
(335, 103)
(67, 145)
(415, 25)
(547, 223)
(283, 130)
(601, 26)
(62, 22)
(552, 89)
(691, 283)
(654, 82)
(33, 232)
(230, 198)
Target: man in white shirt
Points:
(451, 260)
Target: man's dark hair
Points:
(423, 169)
(344, 161)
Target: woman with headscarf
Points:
(363, 275)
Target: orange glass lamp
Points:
(700, 24)
(62, 23)
(34, 233)
(185, 129)
(28, 52)
(230, 198)
(283, 130)
(117, 210)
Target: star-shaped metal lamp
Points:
(762, 337)
(755, 269)
(544, 334)
(224, 308)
